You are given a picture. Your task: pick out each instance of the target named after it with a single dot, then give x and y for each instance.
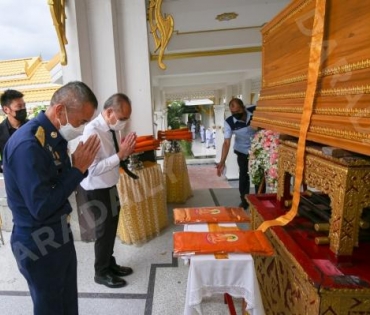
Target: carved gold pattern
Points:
(286, 288)
(334, 111)
(227, 16)
(341, 134)
(360, 89)
(57, 11)
(352, 112)
(331, 132)
(286, 17)
(161, 28)
(348, 188)
(352, 160)
(363, 64)
(282, 96)
(275, 122)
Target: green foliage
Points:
(36, 110)
(174, 114)
(186, 148)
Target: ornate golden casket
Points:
(304, 277)
(341, 115)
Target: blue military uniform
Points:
(38, 180)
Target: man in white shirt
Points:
(100, 185)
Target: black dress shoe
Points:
(120, 271)
(110, 281)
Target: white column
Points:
(219, 123)
(232, 168)
(108, 49)
(165, 120)
(228, 93)
(132, 39)
(246, 92)
(158, 103)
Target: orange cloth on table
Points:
(177, 134)
(146, 143)
(209, 214)
(248, 242)
(214, 227)
(144, 138)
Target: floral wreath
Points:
(263, 159)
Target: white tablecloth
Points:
(208, 275)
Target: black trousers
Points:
(244, 181)
(104, 204)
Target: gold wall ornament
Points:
(209, 53)
(57, 11)
(161, 28)
(227, 16)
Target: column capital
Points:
(218, 108)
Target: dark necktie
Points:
(124, 163)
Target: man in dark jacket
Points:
(14, 107)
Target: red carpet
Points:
(205, 177)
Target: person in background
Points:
(214, 137)
(208, 137)
(193, 130)
(39, 178)
(99, 187)
(202, 131)
(239, 125)
(14, 107)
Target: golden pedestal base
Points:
(177, 178)
(299, 279)
(345, 180)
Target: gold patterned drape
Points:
(143, 205)
(177, 177)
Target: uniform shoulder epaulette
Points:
(40, 135)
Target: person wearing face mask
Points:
(39, 178)
(14, 107)
(100, 195)
(239, 125)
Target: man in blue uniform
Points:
(239, 124)
(39, 179)
(14, 108)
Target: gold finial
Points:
(57, 10)
(161, 28)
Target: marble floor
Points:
(158, 284)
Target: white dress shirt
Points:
(104, 171)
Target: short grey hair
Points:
(116, 100)
(74, 95)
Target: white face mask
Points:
(69, 132)
(119, 125)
